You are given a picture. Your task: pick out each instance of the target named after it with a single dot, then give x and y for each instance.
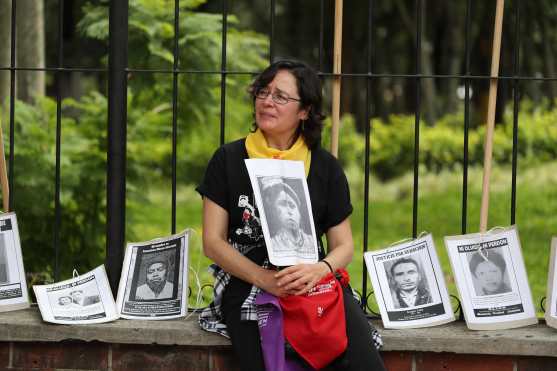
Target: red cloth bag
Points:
(314, 323)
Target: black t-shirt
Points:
(227, 183)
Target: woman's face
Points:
(276, 120)
(287, 211)
(489, 276)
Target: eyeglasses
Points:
(277, 97)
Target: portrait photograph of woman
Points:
(287, 217)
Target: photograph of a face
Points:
(489, 272)
(76, 298)
(156, 277)
(407, 282)
(286, 212)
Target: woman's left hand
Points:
(299, 279)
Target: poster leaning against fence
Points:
(80, 300)
(409, 286)
(154, 279)
(551, 297)
(13, 285)
(491, 279)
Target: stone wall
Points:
(27, 343)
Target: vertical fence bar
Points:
(367, 151)
(223, 70)
(466, 119)
(516, 96)
(57, 206)
(12, 108)
(116, 132)
(175, 67)
(417, 117)
(272, 32)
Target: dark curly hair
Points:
(309, 88)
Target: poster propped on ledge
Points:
(491, 279)
(551, 297)
(154, 280)
(84, 299)
(409, 286)
(282, 197)
(13, 285)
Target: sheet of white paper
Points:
(491, 279)
(13, 285)
(551, 296)
(409, 285)
(154, 280)
(80, 300)
(282, 198)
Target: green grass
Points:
(390, 216)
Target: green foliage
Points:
(151, 46)
(83, 164)
(442, 144)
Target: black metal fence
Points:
(118, 71)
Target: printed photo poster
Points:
(491, 279)
(551, 296)
(81, 300)
(154, 280)
(409, 285)
(282, 198)
(13, 285)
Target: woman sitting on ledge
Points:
(288, 121)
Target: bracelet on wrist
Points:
(328, 265)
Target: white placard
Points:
(13, 285)
(409, 285)
(154, 280)
(80, 300)
(551, 296)
(491, 279)
(284, 205)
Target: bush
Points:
(442, 144)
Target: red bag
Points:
(314, 323)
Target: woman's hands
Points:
(299, 279)
(267, 281)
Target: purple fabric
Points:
(269, 317)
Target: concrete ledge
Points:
(27, 326)
(537, 340)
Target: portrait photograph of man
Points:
(489, 272)
(407, 281)
(156, 274)
(4, 271)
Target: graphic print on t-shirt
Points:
(252, 225)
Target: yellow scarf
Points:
(257, 147)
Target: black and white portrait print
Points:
(408, 282)
(489, 272)
(156, 276)
(288, 220)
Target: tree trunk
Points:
(30, 49)
(5, 27)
